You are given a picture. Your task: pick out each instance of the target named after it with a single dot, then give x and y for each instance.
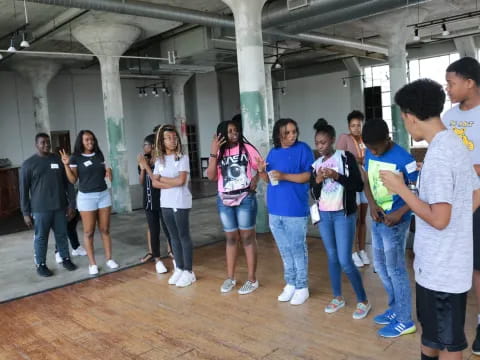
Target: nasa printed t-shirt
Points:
(235, 170)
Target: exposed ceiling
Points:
(52, 27)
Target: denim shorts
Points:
(93, 201)
(241, 217)
(361, 198)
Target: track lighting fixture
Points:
(415, 35)
(24, 43)
(445, 31)
(11, 49)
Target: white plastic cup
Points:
(273, 180)
(396, 172)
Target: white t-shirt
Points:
(466, 124)
(178, 197)
(444, 258)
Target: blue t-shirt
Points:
(397, 158)
(289, 198)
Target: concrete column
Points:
(179, 113)
(355, 84)
(39, 72)
(396, 38)
(466, 46)
(108, 41)
(251, 73)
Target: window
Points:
(431, 67)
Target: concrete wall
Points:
(310, 98)
(229, 94)
(208, 109)
(75, 103)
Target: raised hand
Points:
(217, 142)
(65, 157)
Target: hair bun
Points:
(320, 124)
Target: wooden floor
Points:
(134, 314)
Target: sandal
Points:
(148, 257)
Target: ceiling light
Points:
(155, 91)
(283, 91)
(1, 56)
(344, 83)
(167, 92)
(415, 35)
(24, 43)
(445, 32)
(11, 49)
(277, 65)
(140, 93)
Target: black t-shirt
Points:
(151, 195)
(91, 172)
(44, 185)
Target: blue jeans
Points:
(389, 260)
(240, 217)
(337, 232)
(290, 235)
(43, 222)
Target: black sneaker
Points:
(476, 343)
(67, 264)
(43, 270)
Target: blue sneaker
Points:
(386, 318)
(396, 328)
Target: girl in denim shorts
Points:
(233, 165)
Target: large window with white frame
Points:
(431, 67)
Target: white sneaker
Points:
(187, 279)
(112, 264)
(228, 285)
(287, 293)
(364, 257)
(175, 276)
(356, 260)
(160, 267)
(300, 296)
(58, 258)
(80, 251)
(248, 287)
(93, 269)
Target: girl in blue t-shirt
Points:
(288, 166)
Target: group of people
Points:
(363, 169)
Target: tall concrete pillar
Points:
(39, 72)
(355, 84)
(396, 37)
(251, 73)
(107, 41)
(466, 46)
(177, 84)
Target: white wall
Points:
(208, 109)
(75, 103)
(229, 94)
(310, 98)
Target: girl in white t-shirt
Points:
(171, 174)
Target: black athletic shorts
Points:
(442, 316)
(476, 239)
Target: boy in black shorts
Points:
(444, 235)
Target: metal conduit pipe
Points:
(353, 12)
(166, 12)
(276, 13)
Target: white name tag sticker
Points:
(411, 167)
(54, 166)
(87, 163)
